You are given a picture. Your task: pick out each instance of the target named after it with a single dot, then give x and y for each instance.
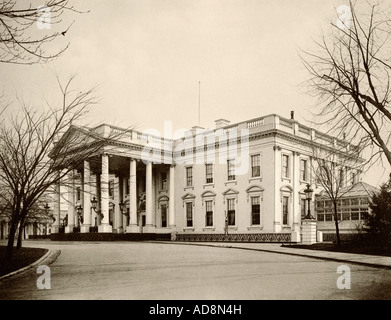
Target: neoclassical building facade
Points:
(245, 180)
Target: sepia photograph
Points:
(195, 157)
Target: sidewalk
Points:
(361, 259)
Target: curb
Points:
(227, 246)
(50, 256)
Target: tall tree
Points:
(350, 74)
(27, 139)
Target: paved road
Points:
(133, 270)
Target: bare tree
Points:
(29, 164)
(336, 173)
(26, 32)
(350, 74)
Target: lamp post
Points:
(94, 203)
(79, 211)
(308, 195)
(46, 207)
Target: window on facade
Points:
(364, 201)
(318, 203)
(354, 202)
(320, 217)
(209, 213)
(345, 202)
(303, 170)
(163, 180)
(163, 210)
(329, 217)
(209, 172)
(256, 165)
(364, 214)
(285, 203)
(111, 216)
(285, 166)
(328, 204)
(78, 194)
(345, 215)
(255, 211)
(189, 176)
(339, 215)
(231, 211)
(231, 169)
(111, 188)
(189, 214)
(355, 215)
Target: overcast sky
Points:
(148, 56)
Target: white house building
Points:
(244, 181)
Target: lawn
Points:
(347, 247)
(22, 258)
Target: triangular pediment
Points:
(188, 196)
(230, 192)
(73, 139)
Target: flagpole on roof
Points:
(199, 103)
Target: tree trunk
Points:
(21, 230)
(336, 224)
(10, 248)
(20, 236)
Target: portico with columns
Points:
(116, 191)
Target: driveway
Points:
(148, 270)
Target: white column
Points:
(56, 208)
(171, 203)
(296, 200)
(132, 228)
(149, 227)
(104, 186)
(86, 198)
(71, 203)
(124, 181)
(117, 211)
(277, 193)
(94, 192)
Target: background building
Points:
(353, 209)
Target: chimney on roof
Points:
(292, 115)
(220, 123)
